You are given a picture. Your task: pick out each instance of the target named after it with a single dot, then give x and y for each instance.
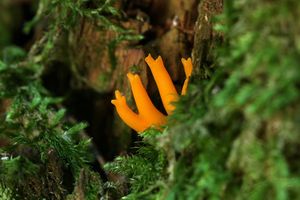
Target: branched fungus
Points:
(148, 115)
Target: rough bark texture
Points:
(206, 38)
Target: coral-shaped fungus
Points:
(148, 115)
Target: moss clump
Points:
(38, 139)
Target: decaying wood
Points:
(167, 27)
(205, 36)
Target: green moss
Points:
(39, 140)
(88, 186)
(144, 171)
(6, 193)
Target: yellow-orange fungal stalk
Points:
(148, 115)
(127, 115)
(147, 110)
(188, 68)
(164, 83)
